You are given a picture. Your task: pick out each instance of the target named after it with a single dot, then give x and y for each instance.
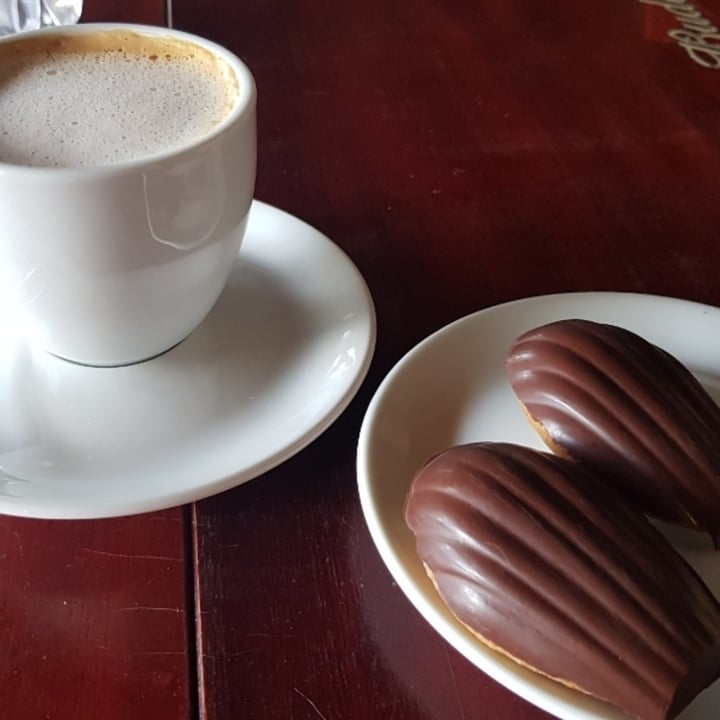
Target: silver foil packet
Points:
(20, 15)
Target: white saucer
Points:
(274, 364)
(452, 388)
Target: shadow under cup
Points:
(112, 264)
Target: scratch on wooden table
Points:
(311, 703)
(239, 653)
(133, 608)
(107, 553)
(160, 652)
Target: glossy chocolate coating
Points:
(628, 410)
(544, 563)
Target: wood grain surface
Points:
(148, 12)
(93, 618)
(463, 154)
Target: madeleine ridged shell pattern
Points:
(627, 409)
(553, 571)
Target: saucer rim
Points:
(73, 507)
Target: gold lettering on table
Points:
(698, 36)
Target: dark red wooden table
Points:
(463, 154)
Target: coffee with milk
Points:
(127, 174)
(107, 97)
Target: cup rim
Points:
(243, 107)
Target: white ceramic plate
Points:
(277, 360)
(452, 389)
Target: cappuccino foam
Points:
(107, 97)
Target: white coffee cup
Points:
(111, 263)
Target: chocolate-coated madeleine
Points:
(547, 566)
(606, 397)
